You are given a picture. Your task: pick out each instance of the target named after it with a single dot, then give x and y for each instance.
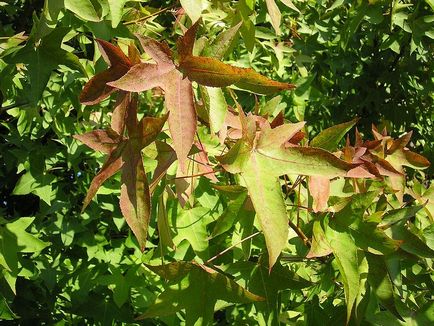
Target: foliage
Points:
(229, 208)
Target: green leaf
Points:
(193, 8)
(217, 107)
(195, 288)
(380, 281)
(191, 225)
(319, 247)
(230, 215)
(410, 241)
(83, 9)
(275, 15)
(116, 11)
(266, 196)
(42, 57)
(329, 138)
(396, 215)
(164, 232)
(348, 258)
(223, 42)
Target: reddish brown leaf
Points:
(100, 140)
(185, 43)
(150, 128)
(399, 143)
(214, 73)
(203, 163)
(110, 167)
(319, 188)
(139, 78)
(112, 54)
(182, 117)
(165, 158)
(119, 112)
(135, 200)
(96, 89)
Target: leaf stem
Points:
(231, 247)
(139, 20)
(300, 233)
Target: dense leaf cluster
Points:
(229, 208)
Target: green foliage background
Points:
(372, 59)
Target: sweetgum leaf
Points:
(195, 288)
(178, 94)
(111, 166)
(214, 73)
(275, 15)
(100, 140)
(348, 258)
(83, 9)
(135, 200)
(381, 283)
(97, 88)
(329, 138)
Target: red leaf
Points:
(110, 167)
(135, 200)
(100, 140)
(319, 188)
(96, 89)
(112, 54)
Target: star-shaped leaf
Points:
(261, 157)
(196, 289)
(178, 93)
(42, 57)
(125, 153)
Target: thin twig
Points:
(300, 233)
(231, 247)
(194, 175)
(139, 20)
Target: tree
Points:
(229, 207)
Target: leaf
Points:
(83, 9)
(291, 5)
(178, 94)
(238, 196)
(275, 15)
(191, 226)
(329, 138)
(380, 281)
(411, 243)
(195, 288)
(135, 201)
(15, 239)
(193, 8)
(365, 233)
(42, 57)
(112, 165)
(116, 11)
(348, 258)
(320, 247)
(97, 88)
(215, 99)
(266, 196)
(396, 215)
(319, 188)
(214, 73)
(182, 117)
(104, 141)
(164, 233)
(211, 72)
(223, 42)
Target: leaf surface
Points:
(195, 288)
